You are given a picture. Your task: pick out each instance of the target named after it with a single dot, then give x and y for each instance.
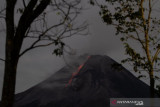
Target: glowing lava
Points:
(75, 73)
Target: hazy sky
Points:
(38, 64)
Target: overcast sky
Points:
(37, 65)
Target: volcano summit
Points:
(92, 84)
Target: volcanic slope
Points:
(97, 79)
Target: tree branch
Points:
(24, 4)
(33, 47)
(149, 15)
(2, 60)
(141, 42)
(39, 39)
(44, 34)
(29, 15)
(155, 55)
(146, 34)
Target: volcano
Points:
(92, 84)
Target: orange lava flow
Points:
(75, 73)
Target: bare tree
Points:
(33, 26)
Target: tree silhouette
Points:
(33, 25)
(135, 22)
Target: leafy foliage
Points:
(134, 21)
(59, 51)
